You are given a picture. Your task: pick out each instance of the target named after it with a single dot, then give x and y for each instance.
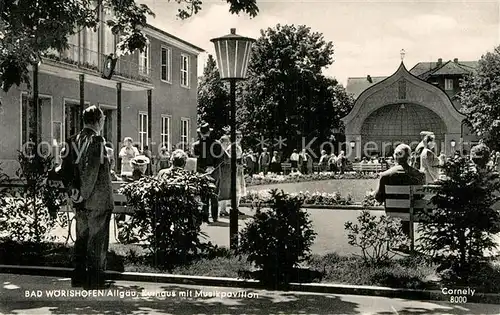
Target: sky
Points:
(367, 35)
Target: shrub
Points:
(278, 238)
(375, 237)
(461, 224)
(369, 200)
(167, 217)
(31, 214)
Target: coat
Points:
(94, 172)
(398, 175)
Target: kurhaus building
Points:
(395, 109)
(151, 97)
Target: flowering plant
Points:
(257, 198)
(261, 179)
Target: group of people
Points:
(213, 158)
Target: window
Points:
(144, 61)
(185, 133)
(165, 131)
(166, 62)
(91, 49)
(185, 70)
(28, 120)
(143, 130)
(448, 84)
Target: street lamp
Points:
(233, 54)
(453, 143)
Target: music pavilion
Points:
(395, 109)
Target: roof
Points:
(422, 70)
(176, 38)
(357, 85)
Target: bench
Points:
(286, 168)
(406, 202)
(369, 167)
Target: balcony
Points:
(90, 60)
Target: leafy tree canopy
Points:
(213, 99)
(29, 28)
(480, 97)
(287, 94)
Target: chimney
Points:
(369, 78)
(455, 60)
(440, 62)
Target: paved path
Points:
(329, 224)
(167, 300)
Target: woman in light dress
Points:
(127, 153)
(429, 162)
(225, 183)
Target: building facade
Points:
(153, 93)
(395, 109)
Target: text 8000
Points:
(458, 299)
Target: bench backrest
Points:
(400, 199)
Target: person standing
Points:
(429, 162)
(294, 161)
(250, 162)
(225, 177)
(341, 162)
(275, 163)
(92, 195)
(241, 187)
(208, 152)
(332, 162)
(147, 153)
(127, 153)
(163, 159)
(304, 159)
(323, 161)
(264, 161)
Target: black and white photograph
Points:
(250, 157)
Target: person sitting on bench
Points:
(400, 174)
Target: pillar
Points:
(150, 115)
(118, 126)
(82, 97)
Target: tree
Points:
(286, 94)
(213, 98)
(480, 97)
(461, 225)
(30, 28)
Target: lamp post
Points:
(453, 143)
(352, 144)
(233, 54)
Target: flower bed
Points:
(260, 179)
(315, 198)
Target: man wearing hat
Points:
(208, 152)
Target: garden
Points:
(277, 242)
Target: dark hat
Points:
(204, 128)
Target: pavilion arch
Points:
(401, 101)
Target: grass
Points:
(407, 272)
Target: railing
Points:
(92, 60)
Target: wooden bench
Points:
(368, 167)
(406, 202)
(286, 168)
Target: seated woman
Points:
(139, 165)
(178, 161)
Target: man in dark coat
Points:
(400, 174)
(86, 173)
(209, 154)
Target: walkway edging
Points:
(432, 295)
